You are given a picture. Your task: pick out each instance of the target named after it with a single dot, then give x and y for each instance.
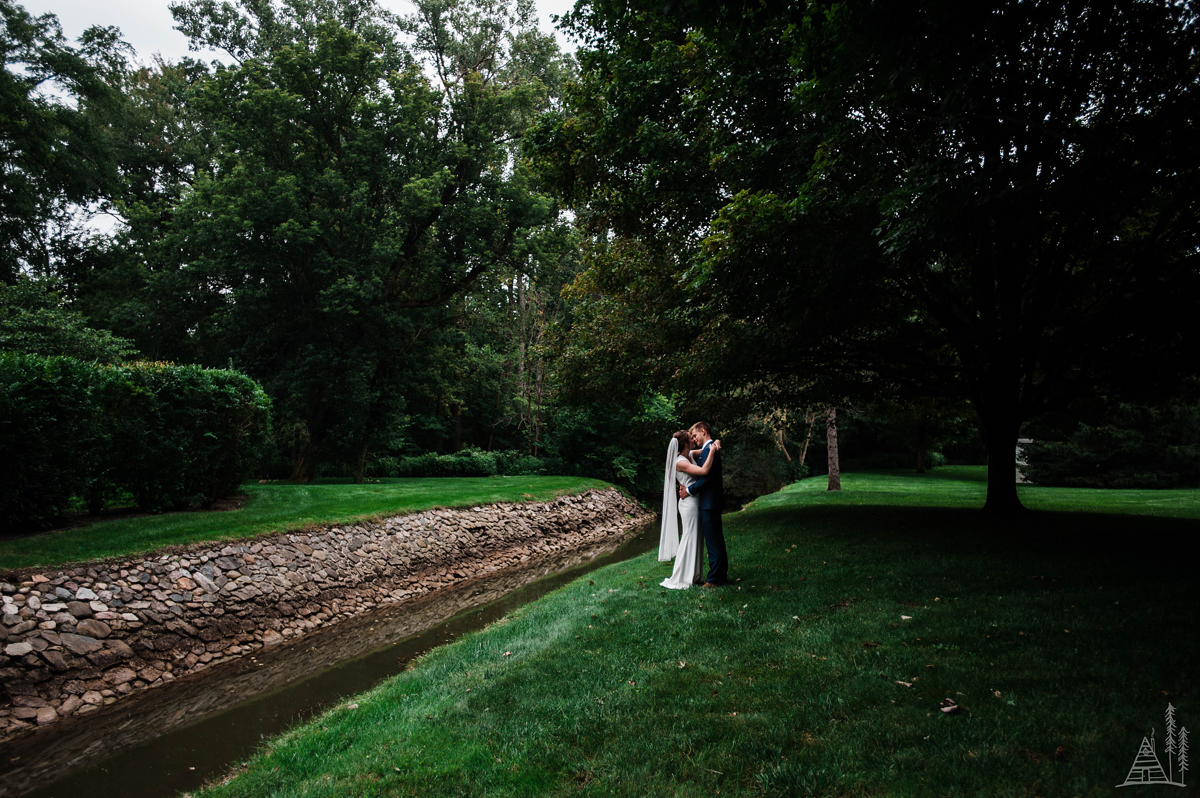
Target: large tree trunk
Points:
(1000, 428)
(835, 469)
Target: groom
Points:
(710, 492)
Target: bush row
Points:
(467, 463)
(170, 436)
(1134, 446)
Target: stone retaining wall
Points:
(79, 638)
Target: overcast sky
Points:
(147, 24)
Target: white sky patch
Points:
(148, 25)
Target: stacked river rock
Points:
(79, 638)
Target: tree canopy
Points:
(996, 202)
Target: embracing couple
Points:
(693, 493)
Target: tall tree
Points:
(360, 182)
(53, 160)
(996, 202)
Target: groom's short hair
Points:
(702, 426)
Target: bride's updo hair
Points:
(684, 439)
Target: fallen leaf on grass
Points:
(870, 644)
(904, 684)
(683, 664)
(352, 706)
(906, 617)
(949, 706)
(508, 653)
(997, 694)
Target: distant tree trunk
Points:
(305, 467)
(360, 462)
(835, 470)
(782, 441)
(458, 428)
(921, 446)
(810, 421)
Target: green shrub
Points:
(1134, 446)
(469, 462)
(753, 463)
(183, 434)
(169, 435)
(51, 436)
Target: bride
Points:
(681, 467)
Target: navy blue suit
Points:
(710, 492)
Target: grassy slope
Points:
(586, 692)
(276, 507)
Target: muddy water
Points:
(176, 737)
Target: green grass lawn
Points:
(1066, 629)
(276, 507)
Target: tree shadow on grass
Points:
(1154, 545)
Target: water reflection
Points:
(174, 738)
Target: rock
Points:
(85, 594)
(79, 610)
(25, 713)
(149, 674)
(70, 705)
(38, 579)
(80, 645)
(56, 661)
(92, 697)
(18, 649)
(119, 676)
(93, 628)
(63, 593)
(120, 647)
(34, 701)
(271, 638)
(184, 583)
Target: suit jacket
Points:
(709, 490)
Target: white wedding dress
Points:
(687, 557)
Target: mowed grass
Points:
(1064, 629)
(277, 507)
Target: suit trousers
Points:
(714, 543)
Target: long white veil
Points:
(668, 536)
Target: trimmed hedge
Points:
(467, 463)
(171, 436)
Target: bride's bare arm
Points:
(699, 471)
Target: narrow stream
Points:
(177, 737)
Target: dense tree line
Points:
(338, 208)
(946, 222)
